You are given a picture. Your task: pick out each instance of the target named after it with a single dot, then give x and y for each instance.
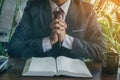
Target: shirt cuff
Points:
(68, 41)
(46, 44)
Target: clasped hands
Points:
(58, 31)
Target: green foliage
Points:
(111, 34)
(1, 4)
(2, 51)
(110, 27)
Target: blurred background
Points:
(108, 13)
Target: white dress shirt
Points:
(67, 43)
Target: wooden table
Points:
(17, 67)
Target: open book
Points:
(50, 66)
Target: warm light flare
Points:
(108, 12)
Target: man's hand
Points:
(58, 26)
(54, 36)
(61, 31)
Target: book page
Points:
(72, 67)
(40, 67)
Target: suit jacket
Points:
(35, 25)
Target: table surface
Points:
(14, 73)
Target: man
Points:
(75, 35)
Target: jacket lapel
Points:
(71, 18)
(70, 15)
(46, 14)
(45, 18)
(75, 19)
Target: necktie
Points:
(58, 13)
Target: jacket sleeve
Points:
(21, 43)
(93, 44)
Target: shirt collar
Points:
(64, 7)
